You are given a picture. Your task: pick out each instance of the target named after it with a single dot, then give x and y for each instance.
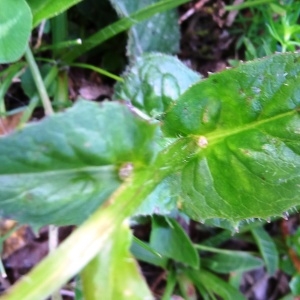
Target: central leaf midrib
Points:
(218, 135)
(64, 171)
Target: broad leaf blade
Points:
(15, 29)
(267, 249)
(160, 33)
(59, 170)
(48, 8)
(113, 273)
(246, 124)
(154, 82)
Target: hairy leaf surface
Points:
(59, 170)
(247, 126)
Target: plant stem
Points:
(35, 99)
(79, 248)
(39, 82)
(247, 4)
(171, 282)
(98, 70)
(53, 230)
(52, 245)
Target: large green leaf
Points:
(113, 273)
(48, 8)
(59, 170)
(246, 123)
(15, 29)
(155, 81)
(159, 33)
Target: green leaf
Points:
(86, 241)
(60, 170)
(295, 285)
(267, 249)
(227, 261)
(246, 123)
(163, 199)
(121, 25)
(142, 251)
(169, 240)
(28, 84)
(46, 9)
(213, 285)
(113, 273)
(15, 29)
(159, 33)
(155, 81)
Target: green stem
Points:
(247, 4)
(39, 82)
(171, 282)
(35, 99)
(75, 252)
(59, 26)
(98, 70)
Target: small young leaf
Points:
(113, 273)
(62, 168)
(168, 239)
(15, 29)
(267, 249)
(154, 82)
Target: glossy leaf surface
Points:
(59, 170)
(154, 82)
(15, 29)
(114, 273)
(246, 123)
